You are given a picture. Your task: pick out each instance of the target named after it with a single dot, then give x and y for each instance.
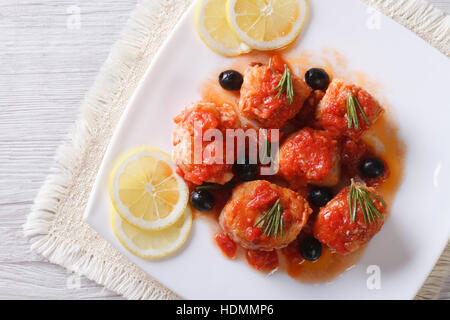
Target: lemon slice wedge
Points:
(213, 28)
(267, 24)
(152, 243)
(146, 191)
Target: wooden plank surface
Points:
(47, 64)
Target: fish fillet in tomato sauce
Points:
(332, 109)
(212, 168)
(259, 102)
(334, 228)
(310, 156)
(248, 204)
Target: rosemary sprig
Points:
(268, 149)
(205, 186)
(359, 195)
(352, 114)
(285, 84)
(272, 221)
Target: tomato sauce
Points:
(225, 244)
(198, 173)
(333, 227)
(204, 119)
(266, 95)
(211, 91)
(265, 261)
(384, 140)
(333, 111)
(308, 156)
(326, 268)
(307, 114)
(263, 196)
(381, 140)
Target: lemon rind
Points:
(151, 253)
(210, 42)
(269, 45)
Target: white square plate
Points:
(416, 80)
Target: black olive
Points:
(372, 168)
(320, 196)
(245, 172)
(202, 200)
(311, 249)
(231, 80)
(317, 78)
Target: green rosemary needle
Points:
(268, 149)
(285, 84)
(272, 221)
(359, 195)
(352, 114)
(205, 186)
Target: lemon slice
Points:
(152, 243)
(146, 191)
(267, 24)
(213, 28)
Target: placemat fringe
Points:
(436, 280)
(111, 81)
(419, 16)
(77, 261)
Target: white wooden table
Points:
(47, 64)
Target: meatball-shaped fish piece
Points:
(310, 156)
(250, 202)
(332, 110)
(334, 227)
(259, 102)
(205, 116)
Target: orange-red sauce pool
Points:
(381, 140)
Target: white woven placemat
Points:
(55, 225)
